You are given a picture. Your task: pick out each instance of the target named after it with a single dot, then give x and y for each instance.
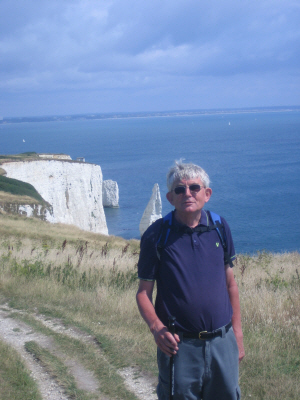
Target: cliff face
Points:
(73, 189)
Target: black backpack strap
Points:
(216, 219)
(164, 234)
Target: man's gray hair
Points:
(186, 171)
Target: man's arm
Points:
(233, 292)
(164, 339)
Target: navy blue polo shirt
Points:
(190, 276)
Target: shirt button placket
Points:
(195, 239)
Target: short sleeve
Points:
(230, 244)
(148, 261)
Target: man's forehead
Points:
(188, 181)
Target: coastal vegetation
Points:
(27, 156)
(14, 190)
(16, 187)
(54, 276)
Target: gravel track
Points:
(16, 333)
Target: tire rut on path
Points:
(16, 333)
(143, 386)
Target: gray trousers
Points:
(203, 369)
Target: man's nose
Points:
(187, 191)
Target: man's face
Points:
(190, 201)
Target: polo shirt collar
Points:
(204, 220)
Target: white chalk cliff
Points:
(73, 189)
(110, 194)
(153, 210)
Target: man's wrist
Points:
(156, 326)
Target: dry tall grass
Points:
(270, 299)
(90, 280)
(6, 197)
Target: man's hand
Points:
(239, 340)
(233, 292)
(165, 340)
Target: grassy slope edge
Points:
(14, 190)
(20, 189)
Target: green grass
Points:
(29, 155)
(20, 188)
(15, 380)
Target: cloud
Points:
(83, 45)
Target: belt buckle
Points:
(200, 333)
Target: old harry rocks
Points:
(153, 210)
(73, 189)
(110, 194)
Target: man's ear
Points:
(169, 197)
(208, 193)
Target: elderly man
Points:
(197, 287)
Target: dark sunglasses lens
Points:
(179, 190)
(195, 188)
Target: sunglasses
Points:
(195, 188)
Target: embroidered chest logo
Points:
(217, 244)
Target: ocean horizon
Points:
(252, 157)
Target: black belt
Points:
(206, 335)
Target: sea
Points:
(252, 158)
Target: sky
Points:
(62, 57)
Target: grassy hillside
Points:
(19, 188)
(28, 156)
(89, 282)
(13, 190)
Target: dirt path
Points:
(16, 333)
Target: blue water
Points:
(253, 160)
